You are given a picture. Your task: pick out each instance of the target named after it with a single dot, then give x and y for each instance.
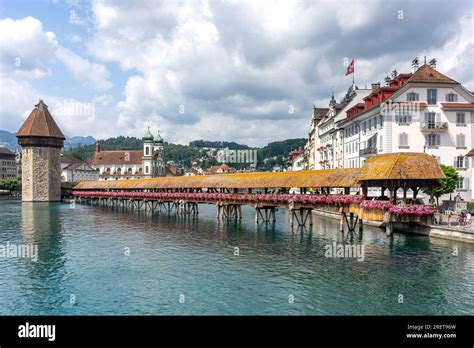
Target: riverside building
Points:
(421, 111)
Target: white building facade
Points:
(424, 111)
(330, 144)
(131, 164)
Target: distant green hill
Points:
(9, 140)
(275, 153)
(218, 144)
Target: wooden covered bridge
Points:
(341, 191)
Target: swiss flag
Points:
(350, 68)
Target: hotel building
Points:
(421, 111)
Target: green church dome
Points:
(148, 135)
(158, 138)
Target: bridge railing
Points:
(275, 198)
(399, 210)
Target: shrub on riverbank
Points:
(11, 185)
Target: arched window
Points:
(147, 151)
(108, 170)
(146, 169)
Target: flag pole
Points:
(353, 75)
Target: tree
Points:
(210, 161)
(10, 185)
(446, 185)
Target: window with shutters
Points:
(403, 140)
(404, 119)
(460, 141)
(431, 120)
(460, 162)
(451, 97)
(432, 96)
(460, 119)
(432, 140)
(463, 183)
(412, 96)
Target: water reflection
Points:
(81, 251)
(41, 226)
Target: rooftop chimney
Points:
(387, 80)
(432, 63)
(97, 146)
(394, 74)
(414, 65)
(375, 86)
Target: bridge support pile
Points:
(229, 211)
(302, 216)
(267, 216)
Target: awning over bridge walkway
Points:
(388, 170)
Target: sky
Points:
(233, 70)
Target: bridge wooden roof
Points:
(307, 178)
(394, 166)
(401, 166)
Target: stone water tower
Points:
(41, 141)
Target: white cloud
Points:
(74, 117)
(26, 50)
(237, 66)
(92, 74)
(246, 62)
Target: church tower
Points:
(147, 159)
(41, 141)
(159, 153)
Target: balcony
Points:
(368, 151)
(434, 126)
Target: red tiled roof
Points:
(458, 105)
(420, 104)
(40, 123)
(5, 151)
(117, 157)
(428, 74)
(215, 169)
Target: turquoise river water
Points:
(103, 260)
